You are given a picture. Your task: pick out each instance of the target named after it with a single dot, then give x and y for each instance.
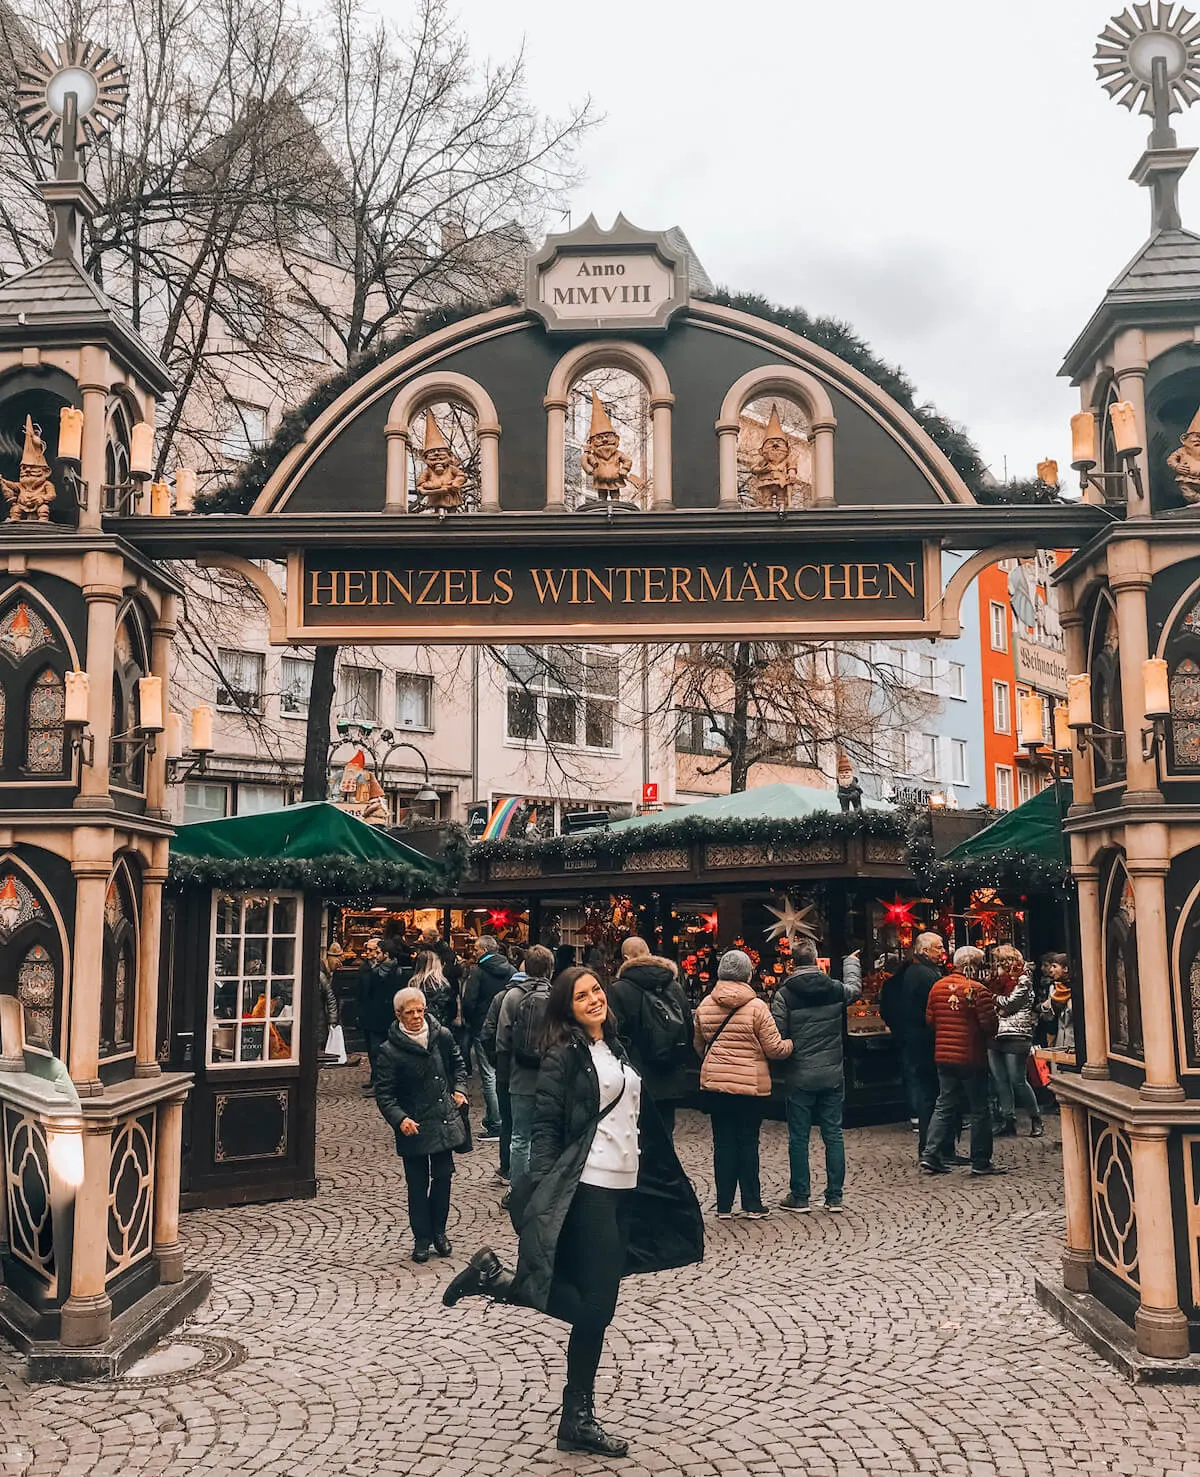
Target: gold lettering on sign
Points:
(543, 581)
(681, 586)
(503, 585)
(721, 591)
(896, 578)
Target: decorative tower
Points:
(91, 1268)
(1131, 603)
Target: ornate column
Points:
(12, 1036)
(1079, 1252)
(1147, 878)
(1129, 579)
(1082, 774)
(1129, 354)
(727, 450)
(1095, 1005)
(94, 378)
(660, 410)
(87, 1313)
(162, 637)
(489, 468)
(168, 1250)
(395, 486)
(823, 463)
(556, 450)
(103, 596)
(92, 867)
(1160, 1325)
(149, 942)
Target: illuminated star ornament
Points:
(791, 922)
(898, 912)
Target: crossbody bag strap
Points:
(713, 1041)
(604, 1112)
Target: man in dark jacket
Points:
(647, 1000)
(379, 977)
(810, 1009)
(962, 1014)
(902, 1004)
(489, 975)
(516, 1077)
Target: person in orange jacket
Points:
(962, 1013)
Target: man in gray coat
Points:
(809, 1008)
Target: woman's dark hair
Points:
(560, 1024)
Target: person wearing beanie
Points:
(735, 1037)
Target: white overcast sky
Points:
(946, 176)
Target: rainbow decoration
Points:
(500, 819)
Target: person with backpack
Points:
(655, 1023)
(489, 975)
(519, 1051)
(810, 1010)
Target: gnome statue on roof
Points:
(1185, 462)
(772, 472)
(849, 791)
(603, 460)
(441, 483)
(31, 495)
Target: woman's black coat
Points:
(418, 1083)
(665, 1227)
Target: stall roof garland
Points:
(337, 878)
(1006, 868)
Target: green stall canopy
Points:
(1034, 828)
(777, 802)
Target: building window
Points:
(565, 694)
(956, 680)
(303, 330)
(1001, 707)
(295, 686)
(358, 694)
(1004, 787)
(252, 1008)
(240, 685)
(245, 432)
(119, 967)
(998, 616)
(959, 773)
(918, 751)
(258, 799)
(414, 701)
(926, 673)
(203, 801)
(44, 743)
(1026, 785)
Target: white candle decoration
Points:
(1125, 427)
(202, 729)
(70, 433)
(1079, 701)
(185, 490)
(150, 703)
(1033, 723)
(160, 500)
(1062, 729)
(174, 735)
(76, 710)
(1083, 439)
(1158, 687)
(141, 449)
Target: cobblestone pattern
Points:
(899, 1337)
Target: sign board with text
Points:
(618, 591)
(1040, 667)
(590, 279)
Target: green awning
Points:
(777, 802)
(1034, 828)
(297, 832)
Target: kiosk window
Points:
(252, 1007)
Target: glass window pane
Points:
(253, 1015)
(295, 686)
(229, 912)
(560, 720)
(259, 799)
(283, 915)
(413, 700)
(254, 956)
(283, 956)
(522, 714)
(204, 802)
(524, 664)
(602, 673)
(256, 915)
(598, 724)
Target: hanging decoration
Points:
(899, 912)
(792, 921)
(709, 921)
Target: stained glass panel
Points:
(1191, 621)
(21, 631)
(35, 990)
(47, 707)
(1185, 713)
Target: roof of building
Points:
(699, 282)
(58, 295)
(779, 801)
(315, 828)
(1033, 828)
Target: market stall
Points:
(243, 931)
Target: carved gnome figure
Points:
(849, 791)
(772, 474)
(603, 460)
(441, 483)
(1185, 462)
(31, 495)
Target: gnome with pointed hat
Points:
(849, 791)
(441, 483)
(31, 495)
(772, 473)
(603, 460)
(1185, 462)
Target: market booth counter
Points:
(238, 992)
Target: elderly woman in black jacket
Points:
(419, 1085)
(605, 1196)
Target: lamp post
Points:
(363, 735)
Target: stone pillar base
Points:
(92, 802)
(1094, 1073)
(1075, 1268)
(170, 1262)
(85, 1320)
(1161, 1332)
(1151, 1092)
(147, 1069)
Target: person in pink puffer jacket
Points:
(735, 1037)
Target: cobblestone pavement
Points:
(899, 1337)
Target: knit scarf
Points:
(421, 1037)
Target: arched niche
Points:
(131, 662)
(121, 415)
(35, 655)
(450, 428)
(626, 404)
(788, 385)
(118, 973)
(1104, 665)
(405, 430)
(1185, 965)
(617, 357)
(34, 961)
(1122, 993)
(40, 394)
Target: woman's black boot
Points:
(579, 1430)
(483, 1276)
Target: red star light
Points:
(898, 912)
(498, 918)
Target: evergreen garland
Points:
(337, 878)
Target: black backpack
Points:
(664, 1040)
(528, 1024)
